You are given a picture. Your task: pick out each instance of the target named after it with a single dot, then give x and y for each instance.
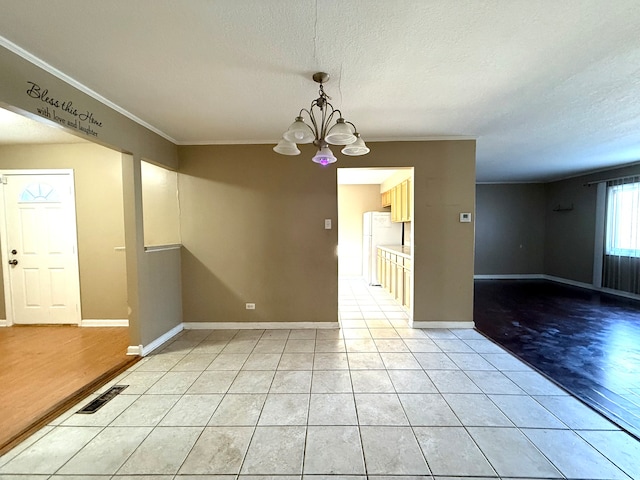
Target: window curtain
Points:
(621, 260)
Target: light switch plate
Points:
(327, 224)
(465, 218)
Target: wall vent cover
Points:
(95, 405)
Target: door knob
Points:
(13, 262)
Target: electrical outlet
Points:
(251, 306)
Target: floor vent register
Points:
(95, 405)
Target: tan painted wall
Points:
(443, 186)
(160, 205)
(353, 201)
(98, 184)
(254, 231)
(161, 282)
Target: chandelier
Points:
(319, 130)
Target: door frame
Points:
(4, 248)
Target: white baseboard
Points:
(449, 325)
(4, 323)
(257, 325)
(610, 291)
(511, 276)
(552, 278)
(108, 322)
(590, 286)
(144, 350)
(574, 283)
(134, 350)
(147, 349)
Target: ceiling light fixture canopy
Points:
(322, 128)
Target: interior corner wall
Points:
(353, 201)
(557, 220)
(570, 210)
(510, 229)
(99, 212)
(254, 231)
(570, 233)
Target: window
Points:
(39, 192)
(623, 220)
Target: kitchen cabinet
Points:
(386, 198)
(405, 201)
(394, 272)
(406, 299)
(399, 269)
(395, 204)
(399, 198)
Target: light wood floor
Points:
(46, 369)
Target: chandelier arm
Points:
(355, 129)
(334, 110)
(324, 124)
(314, 130)
(304, 110)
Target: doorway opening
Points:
(48, 360)
(364, 269)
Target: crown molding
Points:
(38, 62)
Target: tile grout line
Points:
(255, 428)
(355, 407)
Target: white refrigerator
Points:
(377, 229)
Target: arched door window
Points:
(39, 193)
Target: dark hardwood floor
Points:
(586, 341)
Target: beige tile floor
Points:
(374, 399)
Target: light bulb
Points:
(324, 156)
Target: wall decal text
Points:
(63, 111)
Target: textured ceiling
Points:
(548, 88)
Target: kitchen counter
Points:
(402, 250)
(395, 272)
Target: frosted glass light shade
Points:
(299, 132)
(356, 148)
(324, 156)
(340, 134)
(286, 148)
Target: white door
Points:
(40, 248)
